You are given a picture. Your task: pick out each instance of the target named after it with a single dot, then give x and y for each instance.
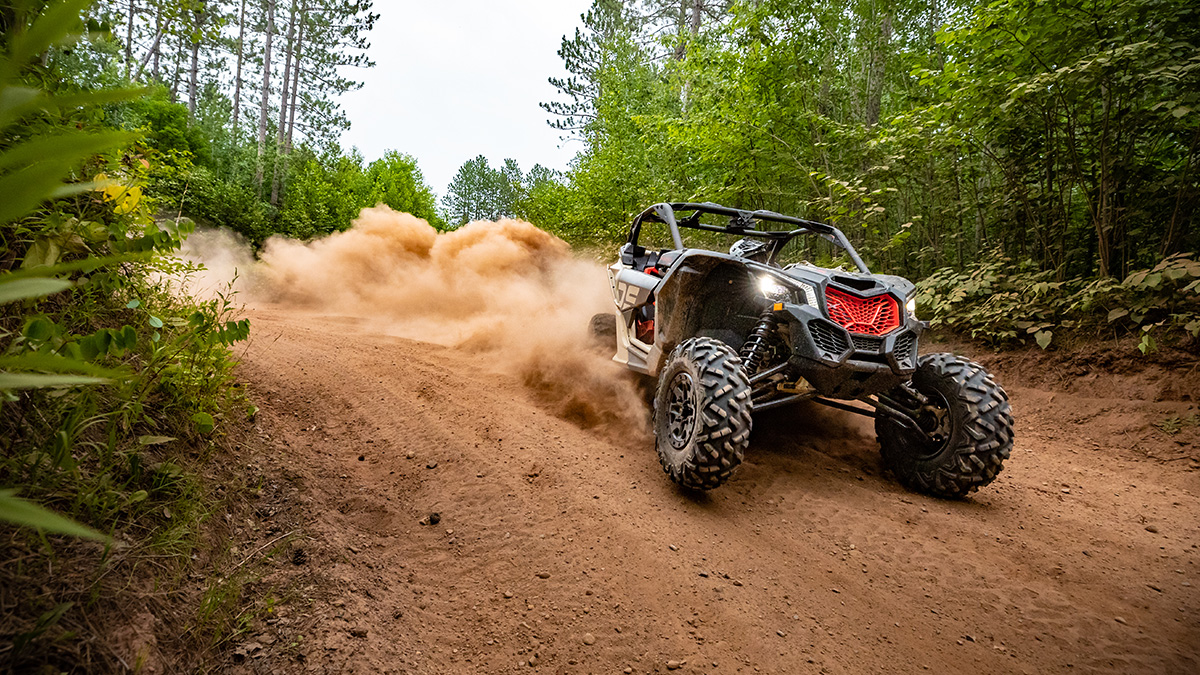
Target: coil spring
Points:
(755, 347)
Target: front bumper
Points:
(840, 364)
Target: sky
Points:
(454, 79)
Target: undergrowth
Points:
(116, 387)
(1005, 303)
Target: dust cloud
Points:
(504, 288)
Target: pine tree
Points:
(269, 10)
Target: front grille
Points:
(906, 350)
(828, 338)
(878, 315)
(866, 343)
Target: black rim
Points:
(934, 419)
(681, 410)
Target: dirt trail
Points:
(568, 548)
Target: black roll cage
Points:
(742, 223)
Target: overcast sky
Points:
(459, 78)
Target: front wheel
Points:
(702, 413)
(967, 424)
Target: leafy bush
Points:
(112, 385)
(164, 125)
(100, 358)
(1004, 303)
(199, 193)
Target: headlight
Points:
(774, 290)
(791, 291)
(911, 307)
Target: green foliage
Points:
(543, 199)
(16, 510)
(201, 194)
(479, 192)
(395, 180)
(86, 302)
(324, 193)
(1004, 303)
(163, 124)
(1173, 425)
(941, 137)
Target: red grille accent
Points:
(879, 315)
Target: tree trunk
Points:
(266, 94)
(296, 77)
(175, 78)
(129, 40)
(194, 73)
(237, 80)
(283, 101)
(681, 46)
(1177, 227)
(155, 50)
(694, 30)
(877, 70)
(1104, 207)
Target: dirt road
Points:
(562, 549)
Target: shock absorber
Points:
(755, 347)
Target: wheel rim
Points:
(934, 419)
(681, 411)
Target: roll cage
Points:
(742, 223)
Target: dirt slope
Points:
(568, 549)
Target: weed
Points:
(1173, 425)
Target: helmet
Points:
(751, 248)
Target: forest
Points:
(1031, 165)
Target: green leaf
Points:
(44, 252)
(1043, 338)
(12, 290)
(25, 513)
(155, 440)
(1117, 313)
(18, 101)
(155, 322)
(133, 304)
(204, 422)
(1147, 344)
(38, 329)
(74, 144)
(26, 188)
(57, 364)
(38, 381)
(86, 265)
(56, 22)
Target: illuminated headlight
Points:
(911, 307)
(774, 290)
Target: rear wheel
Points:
(603, 330)
(967, 424)
(702, 413)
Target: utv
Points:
(731, 334)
